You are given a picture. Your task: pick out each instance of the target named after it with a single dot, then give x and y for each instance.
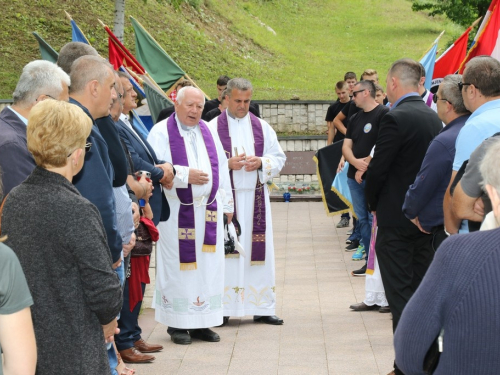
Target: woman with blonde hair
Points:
(60, 241)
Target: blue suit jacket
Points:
(95, 182)
(144, 159)
(16, 162)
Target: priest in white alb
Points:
(254, 157)
(190, 252)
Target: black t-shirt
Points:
(209, 105)
(363, 130)
(334, 110)
(349, 110)
(213, 113)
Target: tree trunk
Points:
(119, 22)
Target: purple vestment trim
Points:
(186, 224)
(259, 207)
(370, 264)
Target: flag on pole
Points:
(48, 53)
(119, 55)
(488, 38)
(157, 100)
(159, 64)
(429, 60)
(327, 159)
(162, 68)
(449, 61)
(76, 34)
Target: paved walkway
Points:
(321, 335)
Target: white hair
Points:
(39, 77)
(182, 93)
(489, 165)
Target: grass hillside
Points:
(285, 47)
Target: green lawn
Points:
(315, 42)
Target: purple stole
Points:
(186, 227)
(429, 99)
(259, 207)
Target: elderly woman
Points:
(459, 297)
(59, 239)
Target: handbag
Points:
(146, 233)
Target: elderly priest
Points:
(190, 270)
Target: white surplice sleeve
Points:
(273, 158)
(159, 141)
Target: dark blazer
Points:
(116, 153)
(144, 159)
(16, 162)
(61, 245)
(95, 182)
(404, 136)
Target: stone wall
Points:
(295, 115)
(300, 143)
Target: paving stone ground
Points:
(321, 335)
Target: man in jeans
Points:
(360, 138)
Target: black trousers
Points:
(404, 255)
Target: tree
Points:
(463, 12)
(119, 21)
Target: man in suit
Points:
(404, 252)
(143, 156)
(39, 80)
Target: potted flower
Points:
(300, 191)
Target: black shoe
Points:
(204, 334)
(225, 320)
(272, 319)
(384, 309)
(181, 337)
(360, 272)
(352, 246)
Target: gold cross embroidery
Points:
(210, 216)
(258, 238)
(186, 234)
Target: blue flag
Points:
(76, 34)
(428, 62)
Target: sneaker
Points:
(360, 272)
(352, 246)
(360, 252)
(344, 222)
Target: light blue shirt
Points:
(404, 97)
(21, 117)
(482, 124)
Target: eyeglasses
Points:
(120, 96)
(88, 146)
(462, 84)
(51, 97)
(435, 99)
(354, 93)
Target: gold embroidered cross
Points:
(210, 215)
(186, 234)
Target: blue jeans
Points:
(361, 209)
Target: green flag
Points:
(48, 53)
(156, 100)
(154, 59)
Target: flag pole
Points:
(69, 16)
(135, 65)
(432, 45)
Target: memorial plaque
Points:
(299, 162)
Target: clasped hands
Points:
(251, 163)
(168, 175)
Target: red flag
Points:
(488, 41)
(449, 61)
(120, 56)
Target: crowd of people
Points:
(87, 190)
(423, 167)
